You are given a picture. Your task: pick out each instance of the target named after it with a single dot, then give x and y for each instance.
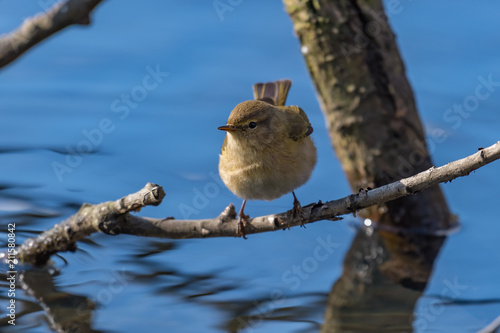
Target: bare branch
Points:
(35, 29)
(114, 218)
(88, 219)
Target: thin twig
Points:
(114, 218)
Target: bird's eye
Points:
(252, 124)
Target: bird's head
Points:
(254, 123)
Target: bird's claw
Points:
(242, 223)
(297, 211)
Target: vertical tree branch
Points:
(374, 125)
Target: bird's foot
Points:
(242, 223)
(297, 211)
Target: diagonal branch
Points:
(88, 219)
(35, 29)
(113, 217)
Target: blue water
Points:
(78, 81)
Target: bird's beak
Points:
(228, 128)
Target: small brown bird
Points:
(268, 151)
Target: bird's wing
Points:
(300, 127)
(274, 93)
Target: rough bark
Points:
(88, 219)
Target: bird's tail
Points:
(272, 92)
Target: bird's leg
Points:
(297, 210)
(242, 221)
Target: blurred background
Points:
(163, 75)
